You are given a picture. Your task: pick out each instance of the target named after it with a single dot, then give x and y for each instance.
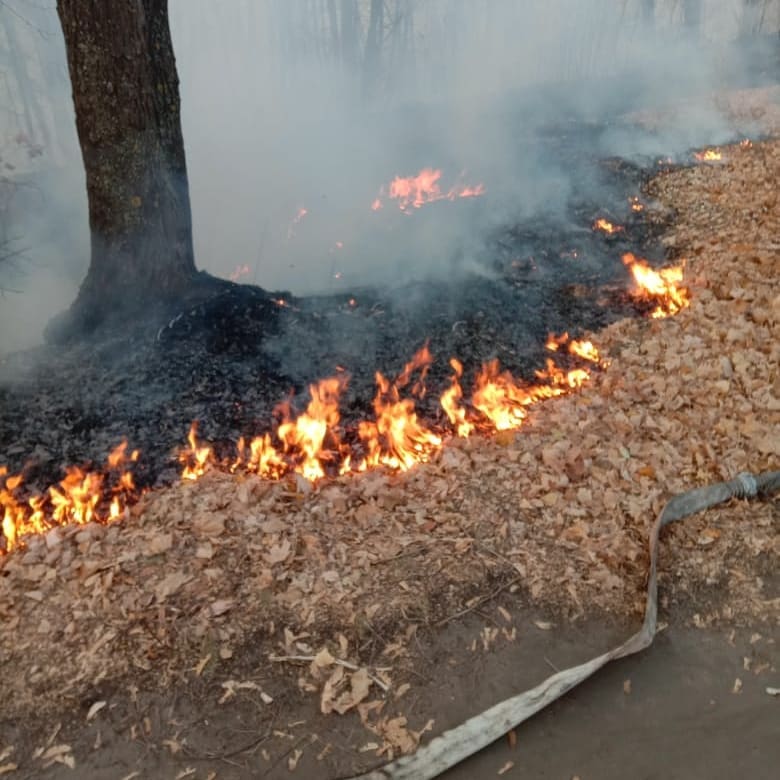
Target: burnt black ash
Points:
(227, 361)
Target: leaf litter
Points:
(560, 510)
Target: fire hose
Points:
(457, 744)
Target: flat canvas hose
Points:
(453, 746)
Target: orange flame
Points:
(451, 402)
(397, 439)
(661, 287)
(195, 459)
(306, 435)
(81, 497)
(636, 204)
(606, 226)
(583, 349)
(708, 155)
(503, 400)
(554, 342)
(586, 350)
(413, 192)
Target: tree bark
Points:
(126, 97)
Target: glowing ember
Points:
(606, 226)
(663, 287)
(451, 402)
(413, 192)
(636, 204)
(81, 497)
(708, 155)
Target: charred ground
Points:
(227, 359)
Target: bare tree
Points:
(692, 15)
(126, 96)
(372, 53)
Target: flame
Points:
(397, 439)
(606, 226)
(196, 459)
(582, 349)
(306, 435)
(661, 287)
(586, 350)
(413, 192)
(503, 400)
(636, 204)
(553, 341)
(708, 155)
(310, 444)
(451, 402)
(81, 497)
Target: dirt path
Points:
(676, 711)
(681, 718)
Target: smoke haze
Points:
(296, 118)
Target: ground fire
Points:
(413, 192)
(663, 288)
(606, 226)
(708, 155)
(314, 446)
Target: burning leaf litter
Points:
(312, 445)
(606, 226)
(413, 192)
(708, 155)
(564, 507)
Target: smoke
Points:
(297, 115)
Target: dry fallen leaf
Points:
(170, 584)
(323, 658)
(505, 768)
(292, 761)
(221, 606)
(209, 525)
(94, 709)
(336, 697)
(543, 625)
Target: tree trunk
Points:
(348, 34)
(692, 18)
(373, 51)
(126, 97)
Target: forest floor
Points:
(236, 628)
